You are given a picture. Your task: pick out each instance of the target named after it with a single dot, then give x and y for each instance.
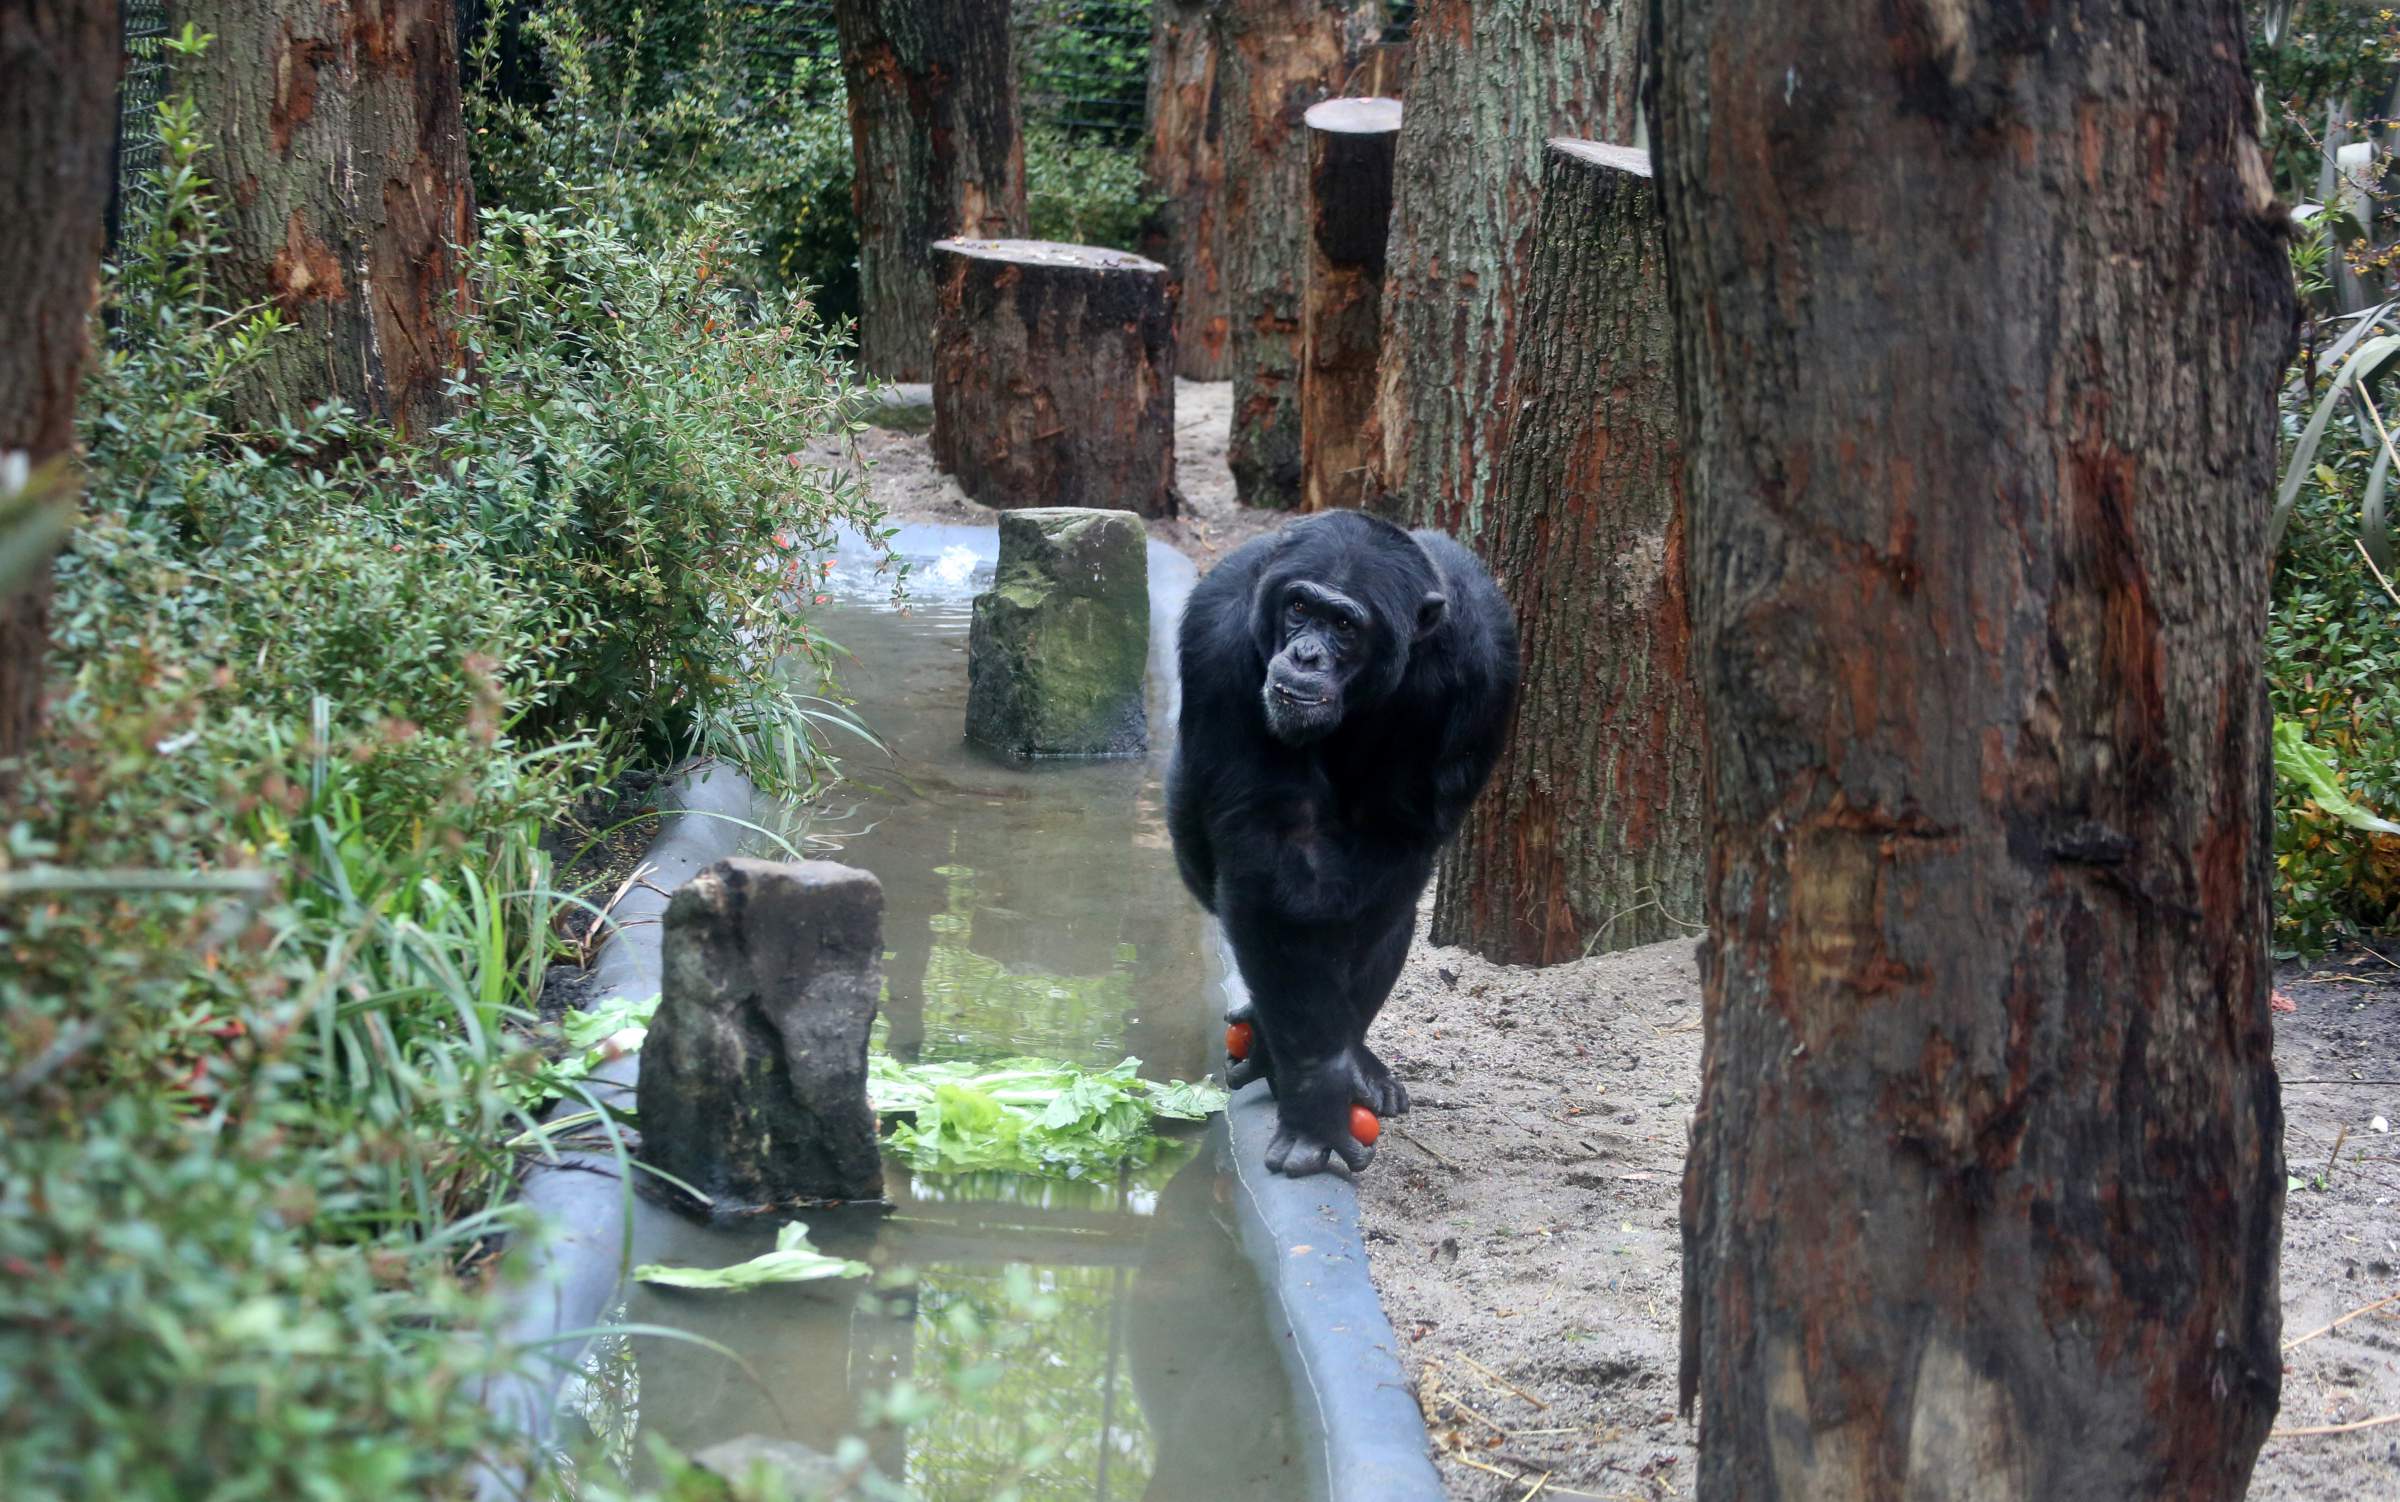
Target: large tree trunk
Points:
(58, 75)
(1591, 836)
(938, 140)
(1279, 57)
(1349, 213)
(1980, 311)
(1490, 80)
(340, 161)
(1187, 171)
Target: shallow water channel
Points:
(1029, 910)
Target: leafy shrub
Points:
(1085, 189)
(632, 461)
(274, 914)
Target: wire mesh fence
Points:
(143, 24)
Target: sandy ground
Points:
(901, 474)
(1524, 1235)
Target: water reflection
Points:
(1085, 1340)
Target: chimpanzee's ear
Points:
(1429, 612)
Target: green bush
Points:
(1085, 190)
(633, 463)
(274, 913)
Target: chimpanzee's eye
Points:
(1295, 613)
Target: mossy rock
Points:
(1060, 643)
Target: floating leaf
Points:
(792, 1261)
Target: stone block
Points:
(1061, 641)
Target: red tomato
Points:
(1237, 1040)
(1364, 1126)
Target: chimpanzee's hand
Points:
(1258, 1064)
(1312, 1120)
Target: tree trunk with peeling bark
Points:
(1278, 57)
(58, 76)
(1349, 213)
(1986, 1180)
(340, 163)
(1489, 81)
(1590, 837)
(938, 140)
(1186, 167)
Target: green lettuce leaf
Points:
(792, 1261)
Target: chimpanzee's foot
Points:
(1375, 1086)
(1240, 1072)
(1312, 1122)
(1299, 1154)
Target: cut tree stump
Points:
(938, 140)
(1350, 146)
(1593, 833)
(1054, 376)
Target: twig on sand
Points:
(2374, 1423)
(1411, 1139)
(2333, 1159)
(1541, 1484)
(1499, 1381)
(2302, 1340)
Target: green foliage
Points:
(1085, 190)
(649, 122)
(274, 913)
(634, 460)
(2333, 671)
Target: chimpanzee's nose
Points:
(1307, 653)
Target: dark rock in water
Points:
(753, 1085)
(1060, 643)
(790, 1469)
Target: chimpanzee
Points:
(1346, 685)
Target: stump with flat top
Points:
(1350, 147)
(1054, 376)
(753, 1087)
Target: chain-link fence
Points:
(144, 27)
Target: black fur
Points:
(1311, 832)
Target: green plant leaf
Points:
(792, 1261)
(2308, 766)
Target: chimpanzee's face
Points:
(1326, 639)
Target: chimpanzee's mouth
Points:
(1288, 697)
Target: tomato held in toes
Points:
(1364, 1126)
(1237, 1040)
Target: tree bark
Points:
(1980, 311)
(1186, 168)
(59, 64)
(1054, 376)
(340, 160)
(938, 139)
(1279, 57)
(1350, 212)
(1591, 836)
(1490, 80)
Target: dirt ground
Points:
(902, 475)
(1538, 1304)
